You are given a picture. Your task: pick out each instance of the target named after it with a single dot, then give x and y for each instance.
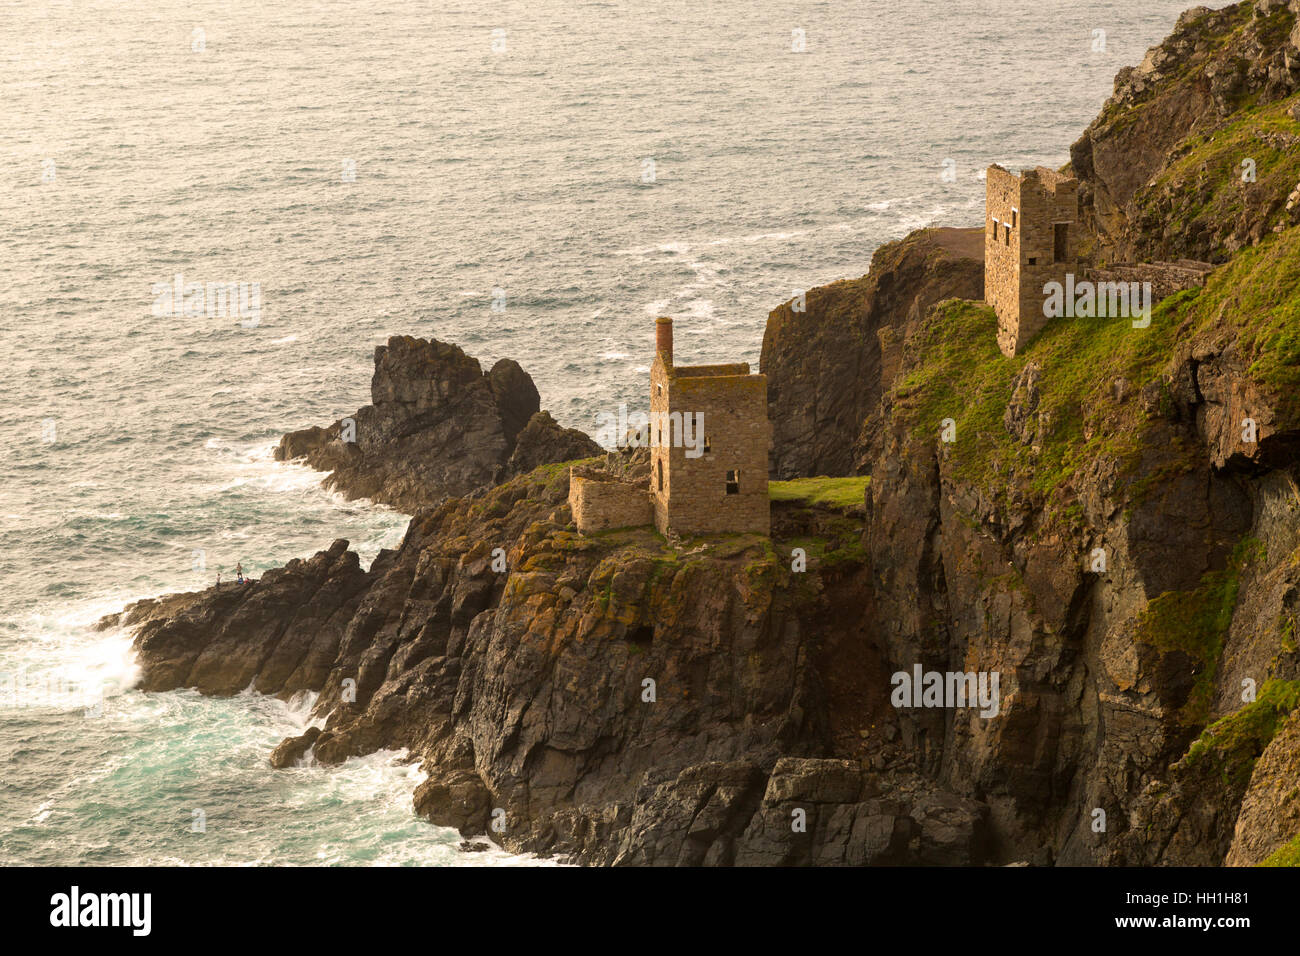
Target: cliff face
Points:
(1112, 523)
(1197, 153)
(827, 365)
(438, 426)
(989, 559)
(621, 699)
(1109, 521)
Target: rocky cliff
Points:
(827, 364)
(438, 426)
(1197, 154)
(1111, 523)
(1099, 530)
(1108, 521)
(617, 698)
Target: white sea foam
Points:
(62, 664)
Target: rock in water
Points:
(291, 749)
(439, 426)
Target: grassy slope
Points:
(1230, 746)
(1204, 178)
(959, 373)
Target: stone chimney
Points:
(664, 339)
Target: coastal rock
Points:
(438, 426)
(275, 633)
(291, 749)
(828, 365)
(511, 686)
(457, 799)
(543, 441)
(1180, 163)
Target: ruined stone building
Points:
(724, 487)
(1030, 240)
(709, 437)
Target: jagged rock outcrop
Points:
(827, 365)
(438, 426)
(1270, 809)
(544, 441)
(523, 688)
(291, 749)
(1110, 526)
(1161, 168)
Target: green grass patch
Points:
(1202, 188)
(821, 492)
(1286, 855)
(1083, 415)
(1230, 746)
(1196, 623)
(1227, 31)
(959, 374)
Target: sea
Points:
(534, 180)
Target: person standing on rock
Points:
(239, 573)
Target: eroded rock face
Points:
(1022, 417)
(1270, 810)
(438, 426)
(1214, 65)
(543, 441)
(768, 736)
(291, 749)
(620, 700)
(1232, 412)
(826, 367)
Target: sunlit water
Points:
(612, 162)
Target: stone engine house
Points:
(724, 488)
(1030, 239)
(709, 440)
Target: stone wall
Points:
(1047, 199)
(601, 504)
(1166, 278)
(1002, 251)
